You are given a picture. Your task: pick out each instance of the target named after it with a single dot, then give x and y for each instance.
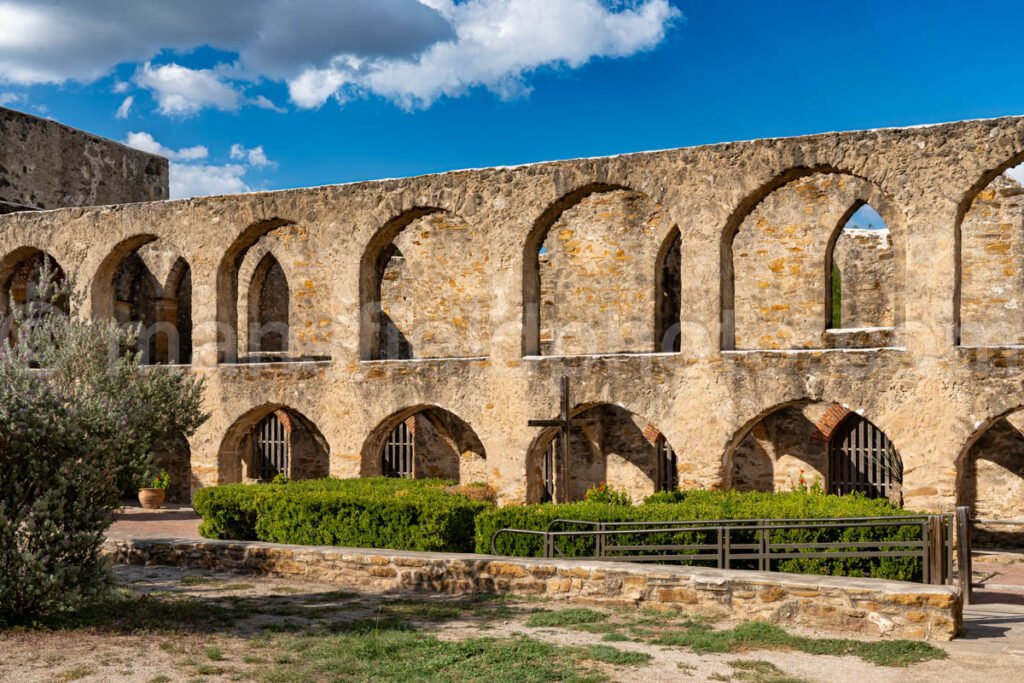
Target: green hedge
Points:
(380, 512)
(705, 505)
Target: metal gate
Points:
(271, 447)
(668, 472)
(399, 452)
(862, 459)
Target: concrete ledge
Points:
(872, 607)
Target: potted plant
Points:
(152, 496)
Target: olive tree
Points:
(79, 419)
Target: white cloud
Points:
(200, 180)
(147, 143)
(255, 157)
(125, 108)
(7, 98)
(181, 91)
(410, 51)
(498, 42)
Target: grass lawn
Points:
(169, 625)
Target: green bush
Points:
(400, 514)
(709, 505)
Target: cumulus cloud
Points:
(7, 98)
(180, 91)
(191, 179)
(409, 51)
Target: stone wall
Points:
(866, 262)
(782, 449)
(762, 292)
(433, 293)
(992, 266)
(842, 606)
(46, 165)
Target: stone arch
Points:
(859, 267)
(310, 323)
(424, 283)
(990, 476)
(668, 293)
(267, 304)
(989, 286)
(618, 447)
(19, 279)
(309, 452)
(600, 230)
(145, 281)
(443, 445)
(821, 199)
(793, 444)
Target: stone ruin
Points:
(720, 322)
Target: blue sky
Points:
(580, 78)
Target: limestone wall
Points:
(864, 607)
(754, 221)
(45, 165)
(866, 262)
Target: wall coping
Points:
(844, 605)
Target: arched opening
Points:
(146, 284)
(425, 442)
(990, 283)
(273, 440)
(268, 308)
(610, 445)
(862, 459)
(424, 288)
(586, 288)
(175, 456)
(814, 445)
(669, 294)
(779, 249)
(860, 270)
(289, 293)
(22, 283)
(991, 479)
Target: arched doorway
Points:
(273, 440)
(608, 444)
(426, 442)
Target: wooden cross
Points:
(564, 422)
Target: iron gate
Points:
(399, 452)
(668, 473)
(862, 459)
(548, 471)
(271, 447)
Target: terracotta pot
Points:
(152, 499)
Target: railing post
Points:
(926, 557)
(963, 553)
(728, 547)
(720, 532)
(762, 560)
(549, 542)
(599, 542)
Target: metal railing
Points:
(746, 543)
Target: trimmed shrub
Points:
(709, 505)
(399, 514)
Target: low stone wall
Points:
(870, 607)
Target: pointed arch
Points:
(424, 288)
(425, 441)
(298, 445)
(775, 246)
(587, 261)
(615, 446)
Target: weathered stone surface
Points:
(739, 209)
(46, 165)
(884, 608)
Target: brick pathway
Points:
(172, 521)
